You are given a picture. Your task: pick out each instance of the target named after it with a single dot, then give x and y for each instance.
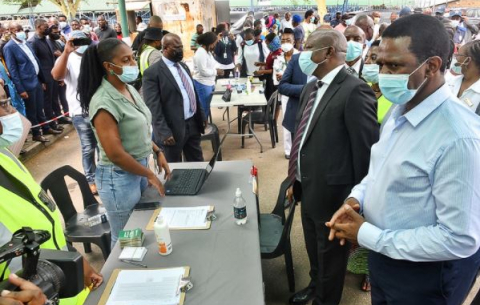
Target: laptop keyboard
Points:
(186, 182)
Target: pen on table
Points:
(134, 263)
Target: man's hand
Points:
(279, 76)
(349, 227)
(57, 53)
(290, 194)
(258, 73)
(170, 141)
(340, 216)
(163, 164)
(29, 294)
(259, 64)
(24, 95)
(220, 72)
(69, 47)
(44, 87)
(91, 278)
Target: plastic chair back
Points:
(56, 184)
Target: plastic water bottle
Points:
(162, 233)
(239, 208)
(249, 87)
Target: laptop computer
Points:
(188, 182)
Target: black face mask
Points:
(54, 36)
(177, 55)
(119, 33)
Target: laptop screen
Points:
(211, 165)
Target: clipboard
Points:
(155, 214)
(113, 278)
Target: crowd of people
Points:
(381, 131)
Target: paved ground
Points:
(272, 170)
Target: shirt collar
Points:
(475, 87)
(168, 61)
(428, 105)
(327, 79)
(114, 94)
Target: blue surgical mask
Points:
(349, 21)
(12, 129)
(307, 65)
(370, 73)
(81, 49)
(457, 67)
(21, 36)
(249, 42)
(354, 50)
(312, 19)
(395, 86)
(130, 73)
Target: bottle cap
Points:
(238, 193)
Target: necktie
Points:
(188, 88)
(351, 71)
(307, 112)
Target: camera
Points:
(59, 274)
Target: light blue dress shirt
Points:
(186, 101)
(421, 197)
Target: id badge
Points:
(225, 55)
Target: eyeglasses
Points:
(5, 103)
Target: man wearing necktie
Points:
(178, 117)
(336, 127)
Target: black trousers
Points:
(328, 259)
(34, 109)
(190, 146)
(62, 96)
(51, 105)
(399, 282)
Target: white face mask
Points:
(455, 23)
(287, 47)
(12, 129)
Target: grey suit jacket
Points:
(336, 152)
(164, 99)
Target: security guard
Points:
(24, 203)
(150, 47)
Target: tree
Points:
(68, 7)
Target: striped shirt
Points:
(421, 197)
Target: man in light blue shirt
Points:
(420, 199)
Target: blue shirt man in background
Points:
(420, 199)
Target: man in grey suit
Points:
(336, 126)
(177, 115)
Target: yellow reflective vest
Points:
(38, 212)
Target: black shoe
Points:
(65, 120)
(57, 127)
(40, 139)
(52, 131)
(303, 296)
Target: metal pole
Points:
(251, 6)
(123, 16)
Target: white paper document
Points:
(147, 287)
(185, 218)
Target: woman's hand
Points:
(155, 182)
(163, 165)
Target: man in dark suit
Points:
(46, 58)
(178, 117)
(291, 85)
(336, 126)
(355, 48)
(28, 78)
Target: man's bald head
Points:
(155, 22)
(14, 27)
(172, 47)
(322, 38)
(354, 33)
(365, 22)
